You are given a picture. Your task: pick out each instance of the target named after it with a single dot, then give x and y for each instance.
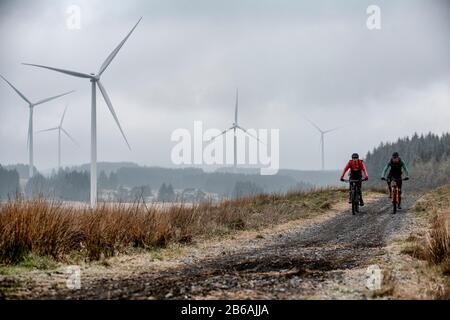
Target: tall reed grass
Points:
(435, 247)
(58, 230)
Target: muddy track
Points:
(315, 262)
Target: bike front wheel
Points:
(355, 202)
(354, 208)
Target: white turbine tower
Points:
(322, 139)
(60, 130)
(95, 80)
(235, 127)
(30, 123)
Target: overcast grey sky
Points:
(186, 58)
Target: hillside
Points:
(107, 167)
(317, 178)
(427, 157)
(217, 182)
(22, 169)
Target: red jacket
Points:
(355, 166)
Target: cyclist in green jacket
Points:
(396, 167)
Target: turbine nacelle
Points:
(94, 77)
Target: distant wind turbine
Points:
(95, 80)
(235, 127)
(322, 139)
(30, 123)
(60, 129)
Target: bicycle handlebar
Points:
(403, 179)
(354, 180)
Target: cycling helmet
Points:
(395, 155)
(355, 156)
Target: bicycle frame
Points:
(354, 193)
(395, 194)
(394, 188)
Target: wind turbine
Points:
(322, 139)
(235, 127)
(95, 81)
(60, 129)
(31, 106)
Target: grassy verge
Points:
(39, 233)
(28, 262)
(433, 245)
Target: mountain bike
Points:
(395, 193)
(354, 193)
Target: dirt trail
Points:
(327, 260)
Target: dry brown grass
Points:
(435, 246)
(48, 228)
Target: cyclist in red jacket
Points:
(357, 168)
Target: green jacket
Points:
(388, 166)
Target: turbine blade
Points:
(45, 130)
(116, 51)
(251, 135)
(222, 133)
(52, 98)
(16, 90)
(312, 123)
(70, 137)
(64, 113)
(69, 72)
(111, 109)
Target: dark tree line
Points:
(108, 182)
(22, 169)
(132, 183)
(216, 182)
(64, 185)
(166, 193)
(9, 183)
(427, 157)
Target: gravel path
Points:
(327, 260)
